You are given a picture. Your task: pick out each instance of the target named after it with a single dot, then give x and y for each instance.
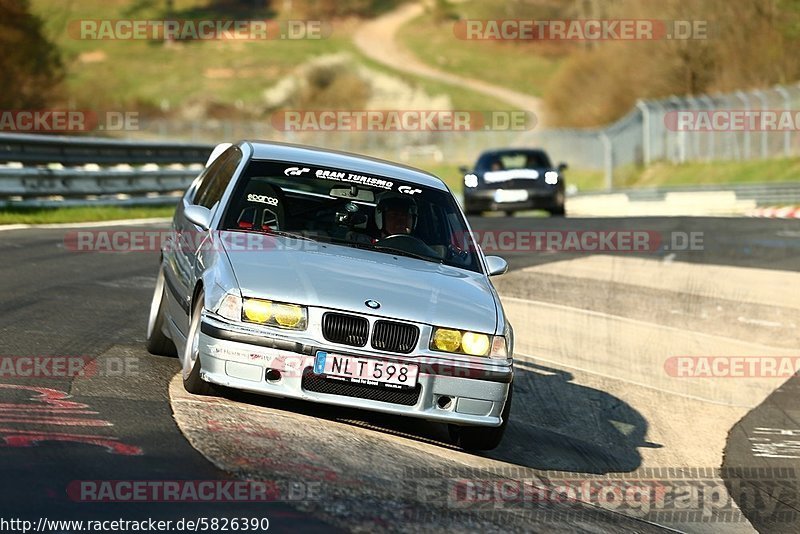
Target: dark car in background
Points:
(514, 179)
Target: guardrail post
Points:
(646, 154)
(787, 102)
(608, 151)
(711, 139)
(763, 99)
(746, 135)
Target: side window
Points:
(217, 177)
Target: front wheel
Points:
(157, 342)
(191, 356)
(558, 211)
(481, 438)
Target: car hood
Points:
(343, 278)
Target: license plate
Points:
(510, 195)
(367, 371)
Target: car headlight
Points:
(271, 313)
(446, 340)
(231, 307)
(469, 343)
(288, 315)
(257, 311)
(475, 344)
(499, 348)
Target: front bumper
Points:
(538, 198)
(236, 356)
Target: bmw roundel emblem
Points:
(373, 304)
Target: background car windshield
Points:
(532, 159)
(346, 207)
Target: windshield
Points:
(348, 208)
(506, 161)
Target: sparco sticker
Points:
(264, 199)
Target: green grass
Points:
(137, 75)
(81, 214)
(128, 73)
(460, 97)
(523, 67)
(718, 172)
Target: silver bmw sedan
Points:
(334, 278)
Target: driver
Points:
(395, 215)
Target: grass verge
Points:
(20, 215)
(520, 66)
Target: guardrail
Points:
(695, 201)
(43, 149)
(39, 170)
(763, 194)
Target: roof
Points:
(512, 150)
(270, 150)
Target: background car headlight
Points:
(274, 314)
(457, 341)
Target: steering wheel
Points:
(408, 243)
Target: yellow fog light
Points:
(288, 315)
(475, 344)
(257, 311)
(446, 340)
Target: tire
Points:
(481, 438)
(558, 211)
(509, 213)
(157, 342)
(190, 363)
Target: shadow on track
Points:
(762, 461)
(555, 424)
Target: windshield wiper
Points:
(391, 250)
(282, 233)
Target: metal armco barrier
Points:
(764, 194)
(50, 170)
(43, 149)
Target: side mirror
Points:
(562, 167)
(497, 265)
(463, 169)
(199, 215)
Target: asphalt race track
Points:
(595, 398)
